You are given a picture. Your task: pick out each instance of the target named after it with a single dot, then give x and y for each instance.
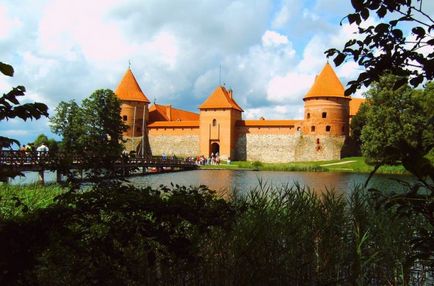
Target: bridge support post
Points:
(5, 180)
(41, 177)
(58, 176)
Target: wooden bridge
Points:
(22, 161)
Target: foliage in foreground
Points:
(121, 235)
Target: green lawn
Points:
(350, 164)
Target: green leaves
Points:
(6, 69)
(385, 47)
(10, 107)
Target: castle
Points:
(219, 127)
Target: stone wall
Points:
(180, 145)
(279, 148)
(318, 148)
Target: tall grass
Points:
(16, 200)
(292, 236)
(271, 235)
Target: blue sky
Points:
(269, 51)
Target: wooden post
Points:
(5, 180)
(41, 177)
(58, 176)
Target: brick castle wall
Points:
(180, 145)
(280, 148)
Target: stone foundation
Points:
(280, 148)
(180, 145)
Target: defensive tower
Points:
(326, 108)
(134, 111)
(218, 116)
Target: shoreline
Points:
(346, 165)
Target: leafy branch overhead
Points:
(10, 106)
(402, 45)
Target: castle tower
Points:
(134, 111)
(218, 115)
(326, 108)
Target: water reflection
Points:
(224, 181)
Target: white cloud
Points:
(272, 39)
(7, 24)
(289, 88)
(268, 51)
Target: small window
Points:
(298, 128)
(328, 128)
(214, 122)
(308, 116)
(125, 118)
(317, 140)
(312, 129)
(324, 115)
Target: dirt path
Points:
(338, 163)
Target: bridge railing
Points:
(30, 159)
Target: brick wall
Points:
(180, 145)
(287, 148)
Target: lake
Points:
(224, 180)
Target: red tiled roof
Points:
(168, 124)
(159, 112)
(267, 123)
(220, 98)
(129, 90)
(327, 84)
(355, 105)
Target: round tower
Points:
(326, 108)
(134, 111)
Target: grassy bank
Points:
(350, 164)
(16, 200)
(121, 235)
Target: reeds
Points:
(272, 235)
(293, 236)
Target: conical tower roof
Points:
(220, 99)
(129, 90)
(327, 84)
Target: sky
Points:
(269, 51)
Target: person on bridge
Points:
(42, 150)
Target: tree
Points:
(93, 131)
(68, 122)
(103, 123)
(398, 130)
(397, 127)
(357, 123)
(386, 47)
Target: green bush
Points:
(121, 235)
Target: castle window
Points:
(324, 115)
(214, 122)
(308, 116)
(328, 128)
(139, 129)
(317, 140)
(312, 129)
(298, 128)
(125, 118)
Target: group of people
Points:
(213, 159)
(41, 150)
